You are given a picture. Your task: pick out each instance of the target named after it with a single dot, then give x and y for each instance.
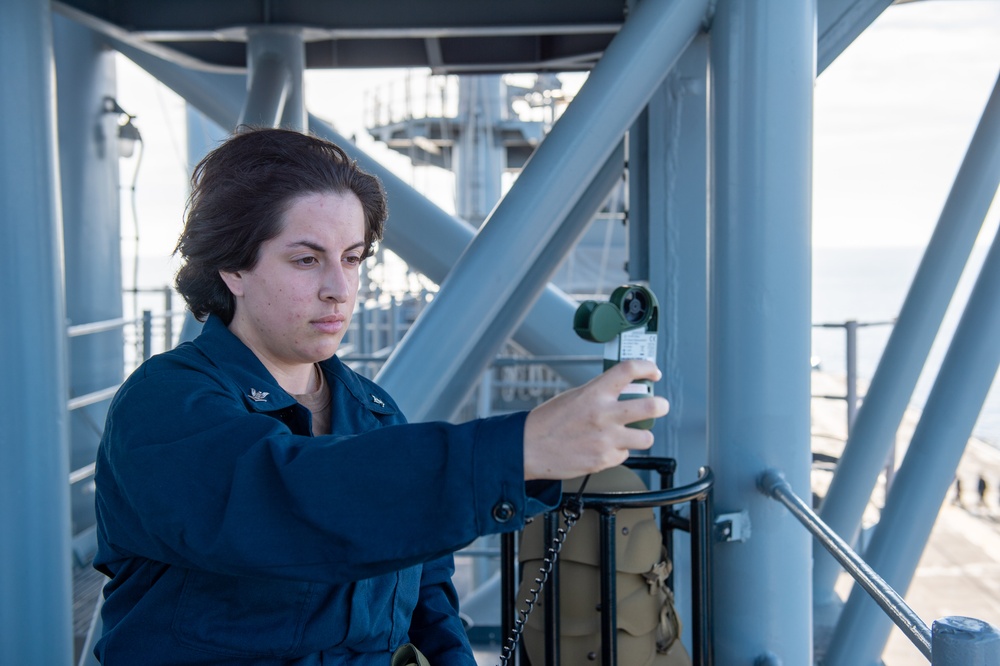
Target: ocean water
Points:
(870, 285)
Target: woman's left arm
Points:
(436, 628)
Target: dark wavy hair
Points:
(239, 194)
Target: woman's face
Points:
(294, 306)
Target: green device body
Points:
(627, 323)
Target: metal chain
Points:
(571, 511)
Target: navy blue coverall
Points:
(233, 536)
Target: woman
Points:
(260, 503)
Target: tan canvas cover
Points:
(648, 626)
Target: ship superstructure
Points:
(692, 134)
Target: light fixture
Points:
(128, 133)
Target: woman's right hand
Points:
(584, 429)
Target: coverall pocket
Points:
(240, 616)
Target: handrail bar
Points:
(92, 398)
(97, 327)
(773, 484)
(77, 330)
(642, 499)
(85, 472)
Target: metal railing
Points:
(607, 505)
(953, 641)
(146, 335)
(851, 363)
(851, 396)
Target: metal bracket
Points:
(732, 526)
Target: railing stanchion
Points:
(851, 328)
(147, 334)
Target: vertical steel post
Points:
(479, 156)
(275, 62)
(763, 65)
(928, 469)
(35, 583)
(911, 339)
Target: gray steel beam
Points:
(928, 470)
(268, 83)
(675, 250)
(840, 22)
(493, 285)
(35, 584)
(762, 59)
(906, 351)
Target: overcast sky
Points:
(893, 119)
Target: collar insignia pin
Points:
(258, 396)
(378, 402)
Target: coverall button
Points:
(503, 511)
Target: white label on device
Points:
(637, 344)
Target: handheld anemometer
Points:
(627, 324)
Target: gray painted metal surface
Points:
(92, 232)
(676, 265)
(928, 470)
(759, 319)
(35, 583)
(840, 22)
(497, 275)
(275, 63)
(906, 351)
